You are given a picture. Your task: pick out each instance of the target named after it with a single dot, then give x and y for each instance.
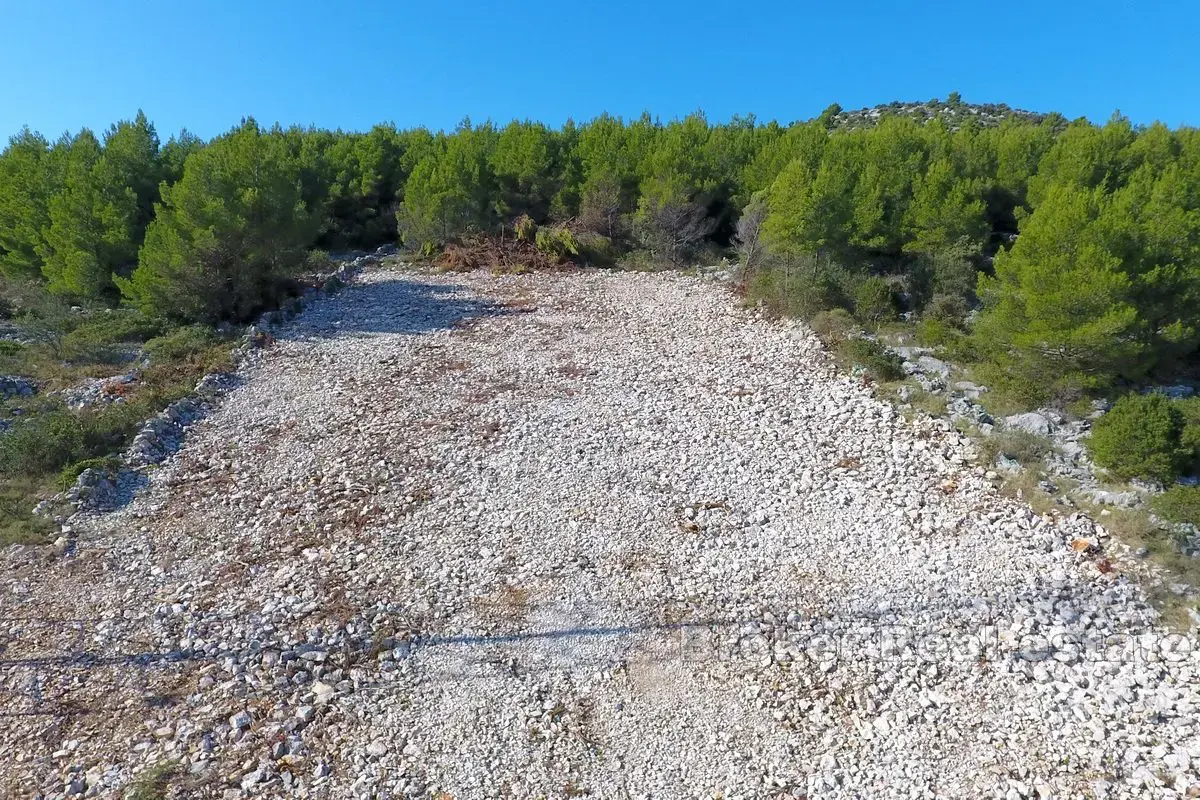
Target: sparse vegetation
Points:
(154, 782)
(1178, 504)
(834, 327)
(1021, 446)
(932, 404)
(876, 360)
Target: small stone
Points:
(251, 779)
(322, 692)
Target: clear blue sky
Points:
(70, 63)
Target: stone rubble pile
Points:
(598, 534)
(16, 386)
(100, 391)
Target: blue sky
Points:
(65, 64)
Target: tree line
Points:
(1066, 254)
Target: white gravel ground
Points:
(597, 534)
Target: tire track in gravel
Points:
(534, 536)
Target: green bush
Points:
(1142, 437)
(109, 428)
(181, 343)
(948, 309)
(42, 444)
(935, 333)
(878, 361)
(801, 286)
(1178, 504)
(68, 474)
(317, 260)
(557, 242)
(874, 301)
(103, 337)
(834, 326)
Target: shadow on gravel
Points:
(81, 658)
(967, 634)
(401, 305)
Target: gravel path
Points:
(593, 534)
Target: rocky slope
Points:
(542, 536)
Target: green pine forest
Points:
(1061, 259)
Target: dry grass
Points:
(1024, 447)
(153, 783)
(932, 404)
(1023, 486)
(1136, 529)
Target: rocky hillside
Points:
(598, 534)
(954, 113)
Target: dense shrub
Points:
(878, 361)
(1141, 437)
(596, 250)
(674, 230)
(557, 242)
(104, 337)
(181, 343)
(947, 272)
(935, 333)
(226, 234)
(639, 261)
(14, 358)
(1190, 439)
(28, 301)
(42, 444)
(874, 301)
(800, 286)
(1178, 504)
(948, 309)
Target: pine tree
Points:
(1060, 310)
(524, 163)
(946, 211)
(227, 234)
(91, 231)
(29, 176)
(131, 160)
(451, 192)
